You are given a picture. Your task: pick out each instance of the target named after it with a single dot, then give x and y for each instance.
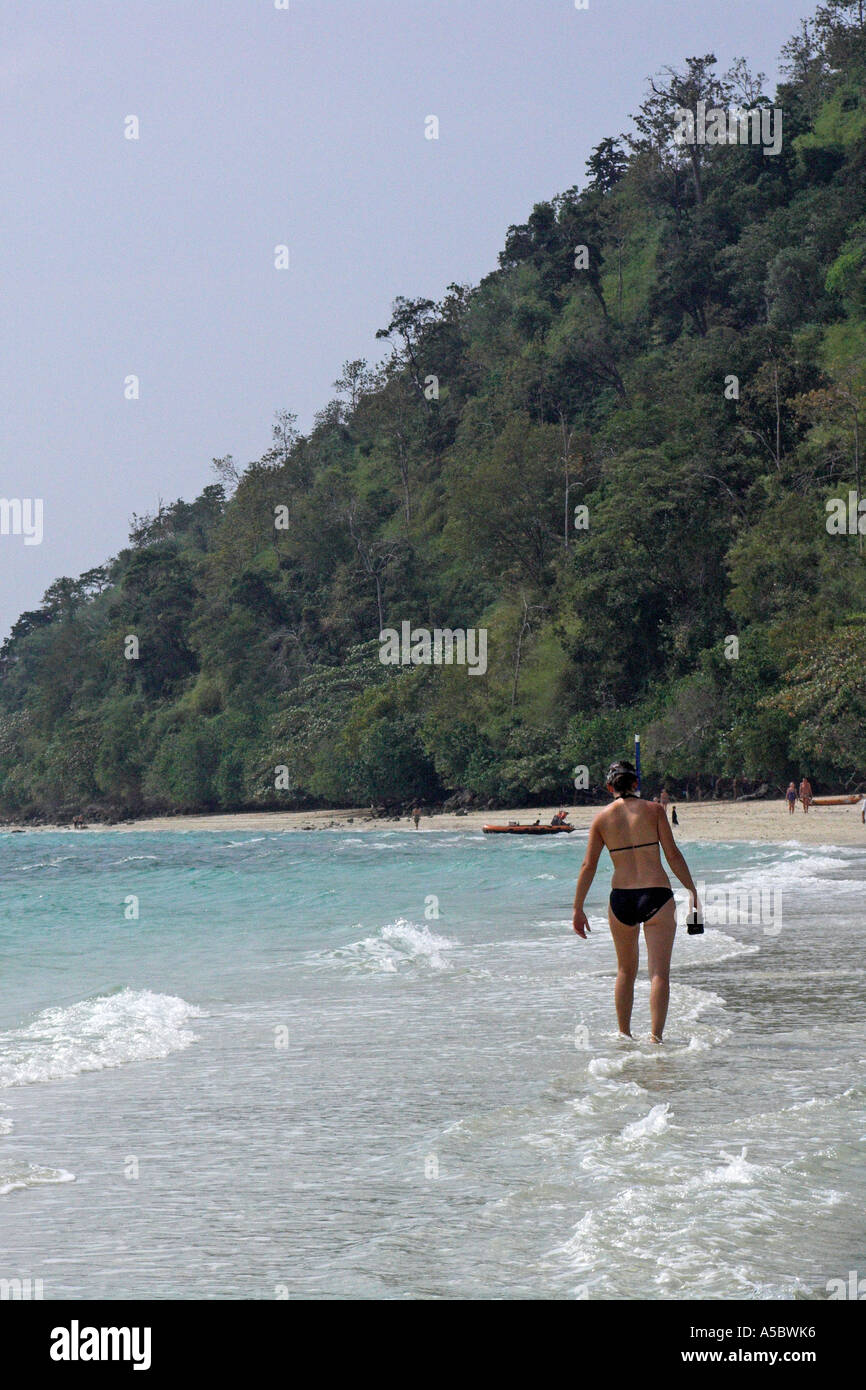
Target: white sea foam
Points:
(108, 1031)
(399, 944)
(688, 1004)
(710, 948)
(819, 849)
(797, 871)
(605, 1096)
(40, 864)
(678, 1235)
(13, 1178)
(735, 1169)
(606, 1067)
(656, 1122)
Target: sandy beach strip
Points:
(713, 821)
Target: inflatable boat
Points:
(527, 829)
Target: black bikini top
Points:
(644, 843)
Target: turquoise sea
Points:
(380, 1065)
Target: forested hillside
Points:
(615, 460)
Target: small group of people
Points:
(561, 818)
(803, 794)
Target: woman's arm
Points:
(594, 847)
(675, 859)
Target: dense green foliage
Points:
(606, 387)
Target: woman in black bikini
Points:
(632, 830)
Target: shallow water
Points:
(289, 1075)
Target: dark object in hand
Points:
(695, 923)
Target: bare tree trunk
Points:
(695, 157)
(778, 414)
(523, 626)
(567, 436)
(857, 472)
(403, 463)
(369, 566)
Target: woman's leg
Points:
(660, 931)
(625, 939)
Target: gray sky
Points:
(261, 126)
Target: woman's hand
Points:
(580, 922)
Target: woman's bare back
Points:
(630, 830)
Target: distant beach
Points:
(766, 822)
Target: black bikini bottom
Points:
(635, 905)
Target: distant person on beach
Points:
(633, 830)
(664, 800)
(791, 796)
(806, 793)
(416, 815)
(674, 817)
